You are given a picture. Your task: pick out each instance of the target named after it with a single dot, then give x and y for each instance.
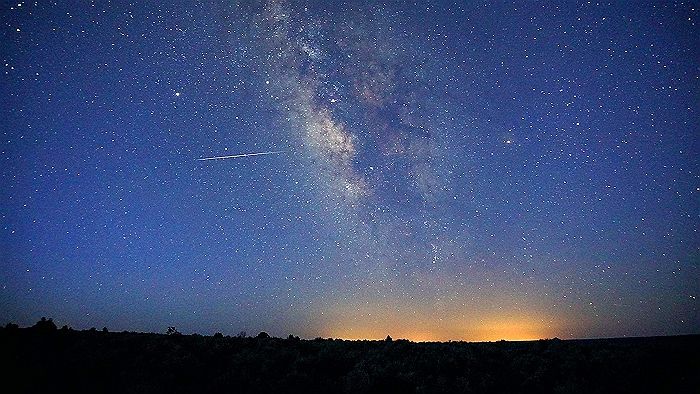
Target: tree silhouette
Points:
(172, 331)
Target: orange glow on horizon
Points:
(515, 331)
(510, 327)
(511, 330)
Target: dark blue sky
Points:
(447, 171)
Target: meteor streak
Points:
(240, 155)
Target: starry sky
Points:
(441, 170)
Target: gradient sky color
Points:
(448, 170)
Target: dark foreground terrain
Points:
(43, 360)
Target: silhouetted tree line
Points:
(43, 358)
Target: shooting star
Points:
(241, 155)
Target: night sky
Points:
(433, 170)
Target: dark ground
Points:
(44, 359)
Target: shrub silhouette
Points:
(263, 335)
(218, 335)
(45, 325)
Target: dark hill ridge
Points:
(44, 359)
